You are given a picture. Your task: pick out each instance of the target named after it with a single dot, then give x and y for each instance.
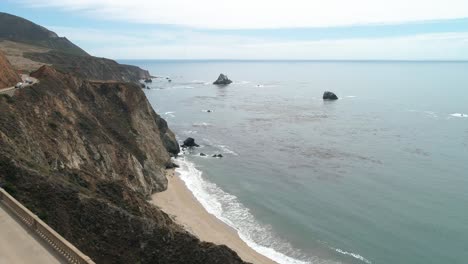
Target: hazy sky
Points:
(257, 29)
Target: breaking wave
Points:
(354, 255)
(459, 115)
(228, 209)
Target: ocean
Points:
(378, 176)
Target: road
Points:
(19, 245)
(11, 90)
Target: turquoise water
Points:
(379, 176)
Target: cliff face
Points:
(84, 156)
(8, 76)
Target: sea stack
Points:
(329, 96)
(222, 80)
(189, 142)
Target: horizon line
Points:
(303, 60)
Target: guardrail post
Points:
(34, 224)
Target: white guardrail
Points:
(55, 240)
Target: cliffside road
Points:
(17, 245)
(11, 90)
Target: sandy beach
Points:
(179, 203)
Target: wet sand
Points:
(178, 202)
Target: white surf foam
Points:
(228, 209)
(430, 114)
(226, 150)
(202, 124)
(190, 132)
(170, 114)
(459, 115)
(351, 96)
(354, 255)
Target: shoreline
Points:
(180, 204)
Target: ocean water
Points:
(378, 176)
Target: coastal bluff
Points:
(29, 46)
(85, 156)
(8, 76)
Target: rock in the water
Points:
(202, 154)
(142, 85)
(217, 156)
(329, 96)
(208, 111)
(171, 165)
(148, 80)
(222, 80)
(189, 142)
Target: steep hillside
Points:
(18, 29)
(8, 76)
(89, 67)
(28, 45)
(85, 156)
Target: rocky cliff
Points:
(84, 156)
(8, 76)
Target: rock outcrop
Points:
(8, 75)
(222, 80)
(84, 156)
(329, 96)
(189, 143)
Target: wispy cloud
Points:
(247, 14)
(189, 44)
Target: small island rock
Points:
(222, 80)
(329, 96)
(189, 142)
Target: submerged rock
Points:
(329, 96)
(202, 154)
(148, 80)
(217, 156)
(222, 80)
(189, 142)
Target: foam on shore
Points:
(229, 210)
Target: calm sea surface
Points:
(379, 176)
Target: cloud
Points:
(248, 14)
(190, 44)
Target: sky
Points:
(257, 29)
